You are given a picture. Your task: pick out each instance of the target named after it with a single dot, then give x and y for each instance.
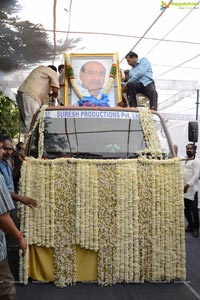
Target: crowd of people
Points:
(10, 162)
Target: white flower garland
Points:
(65, 230)
(136, 222)
(87, 196)
(129, 211)
(149, 132)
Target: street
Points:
(187, 290)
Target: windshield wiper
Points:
(85, 155)
(90, 155)
(74, 154)
(132, 155)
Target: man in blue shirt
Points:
(140, 80)
(7, 172)
(7, 286)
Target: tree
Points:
(68, 44)
(9, 117)
(24, 43)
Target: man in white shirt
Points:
(191, 170)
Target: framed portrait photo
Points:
(92, 79)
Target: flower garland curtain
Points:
(129, 211)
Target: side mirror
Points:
(193, 132)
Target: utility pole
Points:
(197, 105)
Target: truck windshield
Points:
(94, 135)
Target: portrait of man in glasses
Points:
(92, 77)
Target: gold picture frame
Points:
(92, 79)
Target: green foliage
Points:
(9, 117)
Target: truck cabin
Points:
(97, 133)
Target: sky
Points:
(131, 18)
(171, 38)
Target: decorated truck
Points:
(110, 198)
(108, 185)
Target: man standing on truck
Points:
(34, 91)
(140, 80)
(191, 170)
